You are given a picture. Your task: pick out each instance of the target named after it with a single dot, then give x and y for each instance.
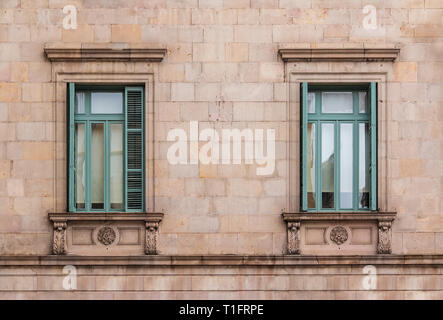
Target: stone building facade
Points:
(220, 230)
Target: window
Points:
(106, 154)
(339, 147)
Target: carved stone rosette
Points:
(151, 237)
(59, 240)
(294, 237)
(384, 244)
(339, 235)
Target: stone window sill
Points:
(103, 232)
(335, 229)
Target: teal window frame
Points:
(133, 197)
(337, 118)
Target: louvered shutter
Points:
(134, 153)
(304, 143)
(373, 132)
(71, 145)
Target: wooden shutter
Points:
(134, 153)
(373, 132)
(304, 128)
(71, 145)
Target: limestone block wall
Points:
(221, 69)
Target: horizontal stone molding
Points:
(225, 260)
(98, 216)
(339, 216)
(61, 54)
(339, 54)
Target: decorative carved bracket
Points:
(152, 233)
(338, 54)
(61, 220)
(151, 237)
(59, 238)
(384, 223)
(294, 237)
(384, 244)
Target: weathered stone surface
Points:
(222, 69)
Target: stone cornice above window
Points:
(110, 52)
(338, 54)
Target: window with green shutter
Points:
(339, 153)
(106, 148)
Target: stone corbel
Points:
(384, 245)
(294, 237)
(59, 238)
(151, 238)
(152, 222)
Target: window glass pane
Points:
(80, 165)
(362, 102)
(80, 103)
(97, 165)
(346, 194)
(327, 165)
(106, 102)
(311, 165)
(116, 165)
(311, 102)
(363, 166)
(337, 102)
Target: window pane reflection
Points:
(362, 102)
(311, 165)
(311, 102)
(363, 174)
(80, 102)
(106, 102)
(116, 165)
(346, 167)
(337, 102)
(97, 165)
(327, 165)
(80, 173)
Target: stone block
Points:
(171, 73)
(249, 16)
(179, 53)
(252, 34)
(405, 71)
(275, 16)
(126, 33)
(207, 92)
(208, 52)
(247, 91)
(271, 72)
(102, 33)
(244, 188)
(15, 187)
(219, 34)
(237, 52)
(182, 91)
(10, 92)
(19, 33)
